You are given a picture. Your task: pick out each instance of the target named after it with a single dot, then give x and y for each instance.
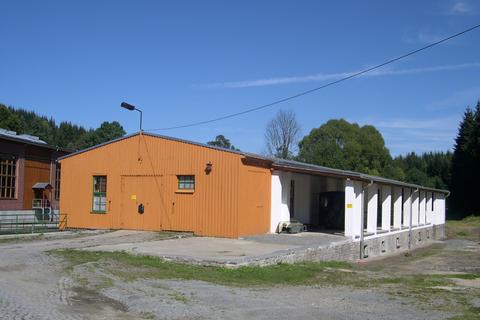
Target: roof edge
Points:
(32, 143)
(352, 175)
(166, 138)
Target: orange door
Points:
(180, 213)
(146, 191)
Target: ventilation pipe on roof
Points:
(362, 217)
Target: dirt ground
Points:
(36, 284)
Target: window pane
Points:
(100, 184)
(7, 176)
(186, 182)
(99, 194)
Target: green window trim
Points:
(186, 182)
(99, 194)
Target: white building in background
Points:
(359, 206)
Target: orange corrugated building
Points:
(151, 182)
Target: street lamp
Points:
(131, 108)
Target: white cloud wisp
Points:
(336, 76)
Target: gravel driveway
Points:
(35, 285)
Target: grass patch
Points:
(467, 228)
(180, 297)
(19, 238)
(155, 268)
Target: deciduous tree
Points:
(282, 134)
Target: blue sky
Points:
(187, 61)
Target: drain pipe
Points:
(362, 216)
(410, 222)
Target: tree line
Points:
(336, 144)
(64, 135)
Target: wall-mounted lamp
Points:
(208, 168)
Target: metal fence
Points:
(37, 222)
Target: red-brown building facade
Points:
(29, 172)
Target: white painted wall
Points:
(422, 207)
(307, 186)
(302, 196)
(428, 211)
(353, 208)
(439, 208)
(407, 206)
(372, 208)
(386, 207)
(279, 210)
(349, 207)
(415, 212)
(397, 207)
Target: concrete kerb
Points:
(51, 235)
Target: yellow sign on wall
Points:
(133, 197)
(349, 205)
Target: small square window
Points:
(186, 182)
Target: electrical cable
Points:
(354, 75)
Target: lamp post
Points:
(131, 108)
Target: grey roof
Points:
(280, 164)
(42, 185)
(27, 139)
(307, 167)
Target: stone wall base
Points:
(349, 250)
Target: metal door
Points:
(138, 192)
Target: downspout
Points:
(410, 222)
(362, 217)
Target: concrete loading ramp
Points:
(259, 250)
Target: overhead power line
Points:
(354, 75)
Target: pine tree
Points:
(463, 166)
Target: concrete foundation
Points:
(273, 249)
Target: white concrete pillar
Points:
(407, 194)
(278, 210)
(397, 207)
(415, 213)
(349, 208)
(428, 210)
(439, 208)
(353, 208)
(422, 207)
(386, 207)
(357, 208)
(372, 208)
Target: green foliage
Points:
(429, 169)
(221, 141)
(343, 145)
(466, 165)
(106, 132)
(65, 135)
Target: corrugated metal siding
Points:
(148, 167)
(35, 171)
(254, 208)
